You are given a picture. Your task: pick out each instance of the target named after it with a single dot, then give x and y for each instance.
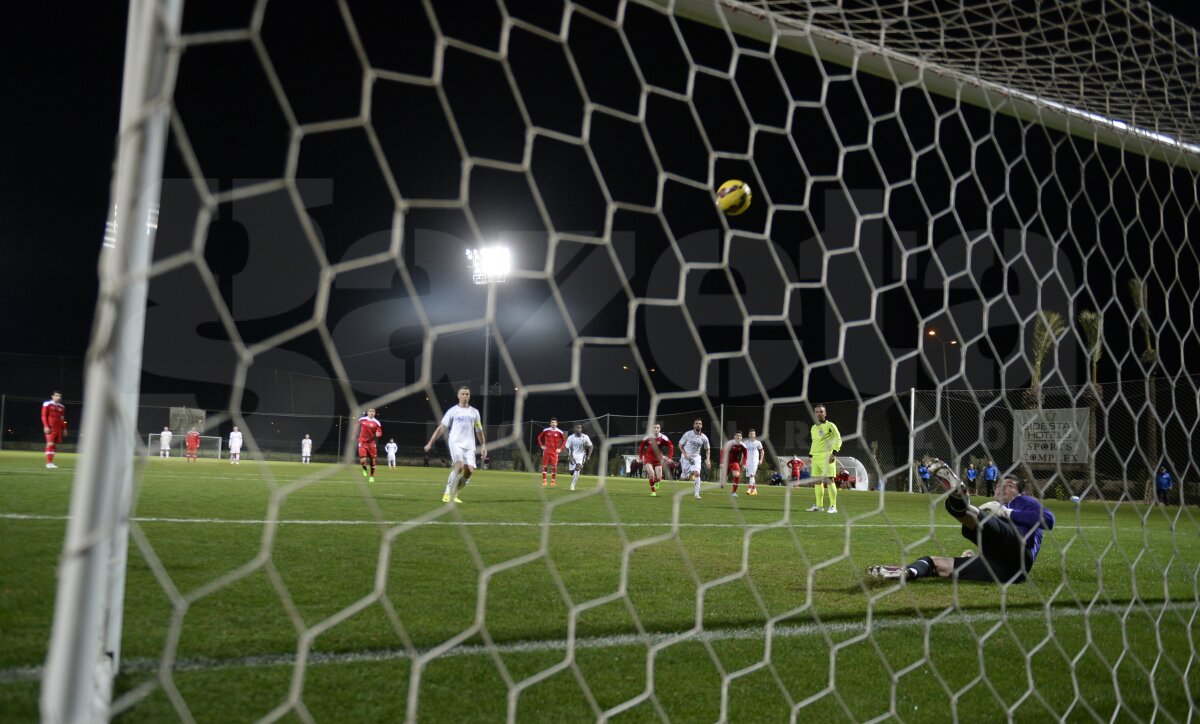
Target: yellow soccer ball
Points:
(733, 197)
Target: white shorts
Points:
(306, 453)
(574, 461)
(464, 455)
(235, 449)
(751, 465)
(689, 464)
(165, 447)
(391, 457)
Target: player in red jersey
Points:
(796, 465)
(193, 444)
(54, 425)
(551, 441)
(652, 452)
(369, 430)
(734, 459)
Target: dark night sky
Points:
(59, 149)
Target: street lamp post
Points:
(932, 333)
(637, 409)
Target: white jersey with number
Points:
(165, 439)
(391, 449)
(577, 448)
(306, 446)
(753, 453)
(235, 442)
(692, 443)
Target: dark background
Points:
(60, 130)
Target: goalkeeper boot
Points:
(886, 572)
(958, 500)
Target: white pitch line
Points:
(512, 523)
(317, 658)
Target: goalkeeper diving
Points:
(1008, 531)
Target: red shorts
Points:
(55, 436)
(193, 448)
(735, 468)
(549, 458)
(366, 449)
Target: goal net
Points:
(210, 446)
(972, 238)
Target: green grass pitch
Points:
(563, 606)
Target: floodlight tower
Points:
(490, 266)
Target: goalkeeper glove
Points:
(996, 508)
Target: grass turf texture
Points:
(1106, 628)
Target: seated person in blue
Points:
(1162, 485)
(1008, 531)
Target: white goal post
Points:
(85, 645)
(210, 445)
(955, 77)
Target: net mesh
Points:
(327, 168)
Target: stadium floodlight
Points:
(490, 264)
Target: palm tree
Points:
(1093, 328)
(1047, 329)
(1137, 288)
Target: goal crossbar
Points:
(1175, 144)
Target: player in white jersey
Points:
(306, 449)
(462, 427)
(754, 457)
(391, 449)
(235, 447)
(690, 445)
(579, 449)
(164, 442)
